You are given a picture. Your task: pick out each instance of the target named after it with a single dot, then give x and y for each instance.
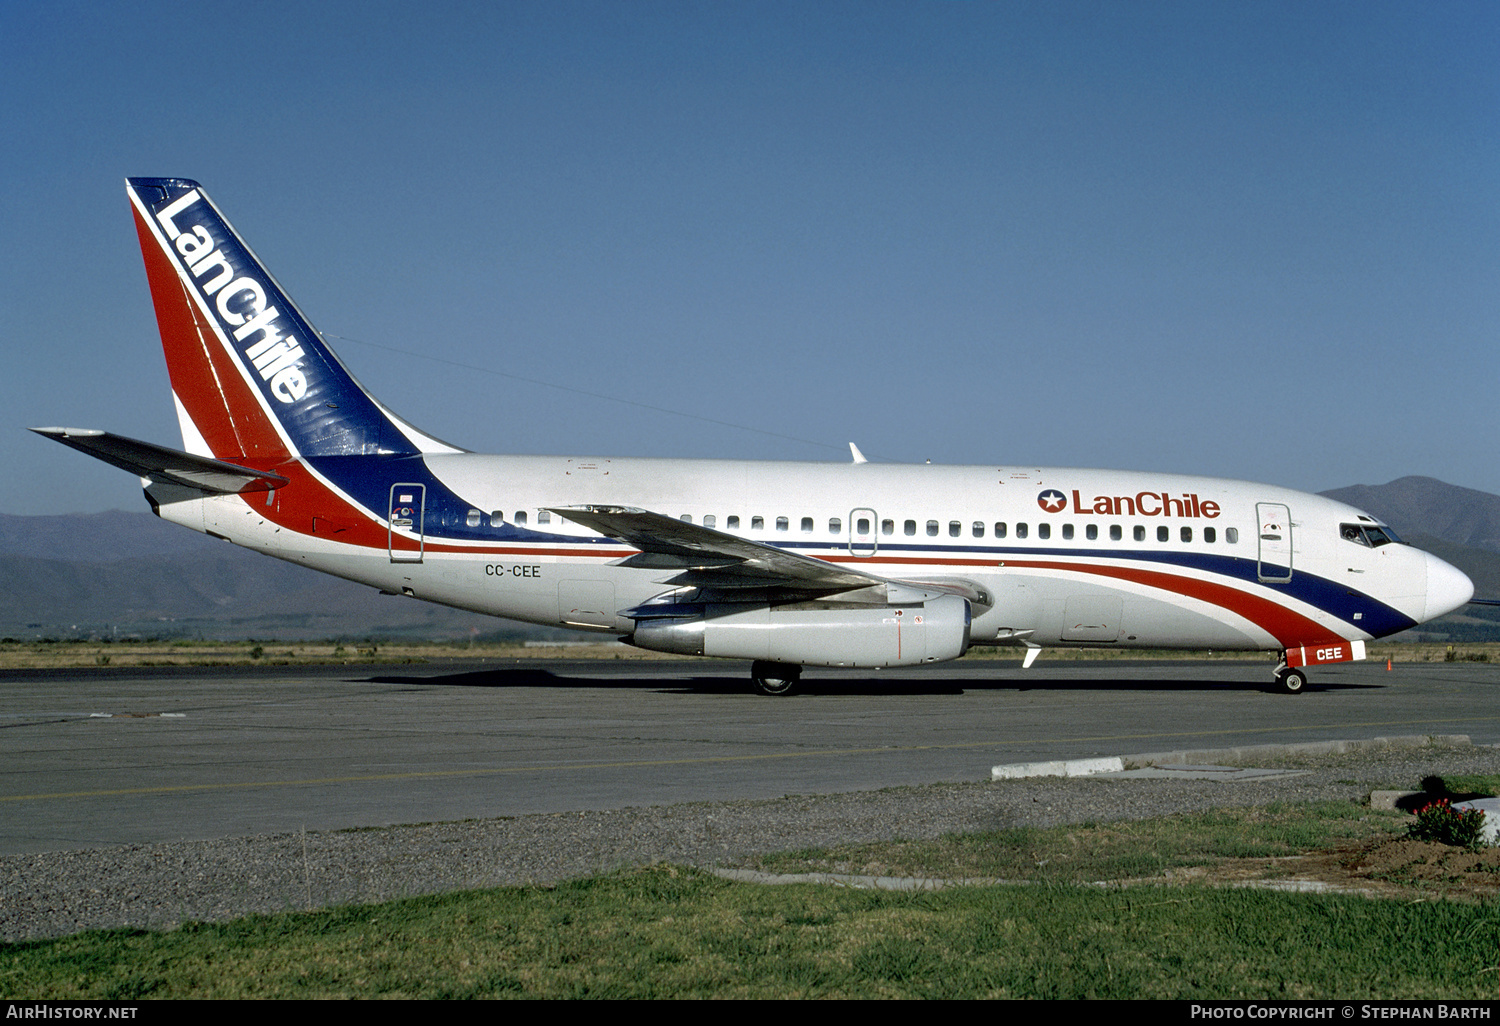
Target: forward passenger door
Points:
(1274, 538)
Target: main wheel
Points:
(1292, 681)
(775, 678)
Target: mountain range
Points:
(131, 574)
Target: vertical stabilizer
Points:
(250, 376)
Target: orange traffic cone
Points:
(1387, 664)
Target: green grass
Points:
(1487, 784)
(670, 932)
(1120, 850)
(673, 932)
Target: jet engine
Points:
(813, 634)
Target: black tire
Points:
(775, 678)
(1292, 681)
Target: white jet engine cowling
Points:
(810, 634)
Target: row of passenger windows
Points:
(861, 527)
(497, 518)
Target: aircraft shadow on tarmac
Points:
(706, 685)
(934, 685)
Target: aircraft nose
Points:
(1447, 587)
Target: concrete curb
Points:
(1208, 755)
(1069, 768)
(1215, 756)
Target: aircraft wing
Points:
(707, 557)
(159, 463)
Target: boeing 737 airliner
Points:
(785, 564)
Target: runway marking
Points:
(703, 760)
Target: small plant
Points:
(1439, 821)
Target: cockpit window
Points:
(1362, 534)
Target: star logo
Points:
(1052, 500)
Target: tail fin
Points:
(250, 376)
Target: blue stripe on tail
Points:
(321, 408)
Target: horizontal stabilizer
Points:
(158, 463)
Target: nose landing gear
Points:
(1289, 679)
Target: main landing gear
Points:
(775, 678)
(1289, 679)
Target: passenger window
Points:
(955, 529)
(686, 518)
(757, 523)
(887, 527)
(999, 529)
(1163, 533)
(497, 519)
(543, 517)
(1139, 533)
(1210, 535)
(1067, 532)
(520, 516)
(1044, 530)
(978, 529)
(1187, 534)
(1020, 530)
(782, 523)
(932, 528)
(835, 525)
(472, 520)
(1091, 532)
(710, 521)
(910, 527)
(807, 525)
(732, 523)
(862, 525)
(1115, 533)
(1232, 535)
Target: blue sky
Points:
(1252, 240)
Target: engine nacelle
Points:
(926, 632)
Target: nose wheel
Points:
(1291, 681)
(775, 678)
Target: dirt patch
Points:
(1390, 868)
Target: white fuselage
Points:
(1057, 557)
